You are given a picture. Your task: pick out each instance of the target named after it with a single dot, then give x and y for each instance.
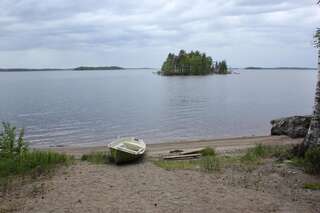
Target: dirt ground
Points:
(144, 187)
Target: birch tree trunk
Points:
(313, 136)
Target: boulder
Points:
(294, 127)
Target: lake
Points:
(74, 108)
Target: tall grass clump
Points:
(208, 151)
(11, 145)
(38, 161)
(260, 151)
(17, 159)
(209, 163)
(97, 157)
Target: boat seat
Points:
(131, 146)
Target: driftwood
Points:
(192, 151)
(176, 151)
(181, 157)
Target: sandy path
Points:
(146, 188)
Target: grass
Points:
(208, 151)
(256, 154)
(34, 163)
(31, 160)
(97, 157)
(312, 160)
(207, 163)
(312, 186)
(176, 164)
(210, 161)
(16, 159)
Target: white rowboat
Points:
(127, 149)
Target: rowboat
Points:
(127, 149)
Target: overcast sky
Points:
(135, 33)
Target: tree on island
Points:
(221, 67)
(193, 63)
(312, 139)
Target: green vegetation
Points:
(17, 159)
(97, 157)
(208, 151)
(210, 161)
(260, 151)
(312, 160)
(309, 161)
(257, 153)
(221, 67)
(10, 145)
(312, 186)
(26, 162)
(207, 163)
(193, 63)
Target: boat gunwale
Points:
(140, 142)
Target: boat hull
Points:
(120, 157)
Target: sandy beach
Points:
(221, 145)
(144, 187)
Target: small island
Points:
(193, 63)
(99, 68)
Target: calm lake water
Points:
(94, 107)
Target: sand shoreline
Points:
(221, 145)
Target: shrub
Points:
(208, 151)
(312, 160)
(17, 159)
(10, 144)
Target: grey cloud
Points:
(113, 29)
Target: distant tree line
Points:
(193, 63)
(99, 68)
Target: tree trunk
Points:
(313, 136)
